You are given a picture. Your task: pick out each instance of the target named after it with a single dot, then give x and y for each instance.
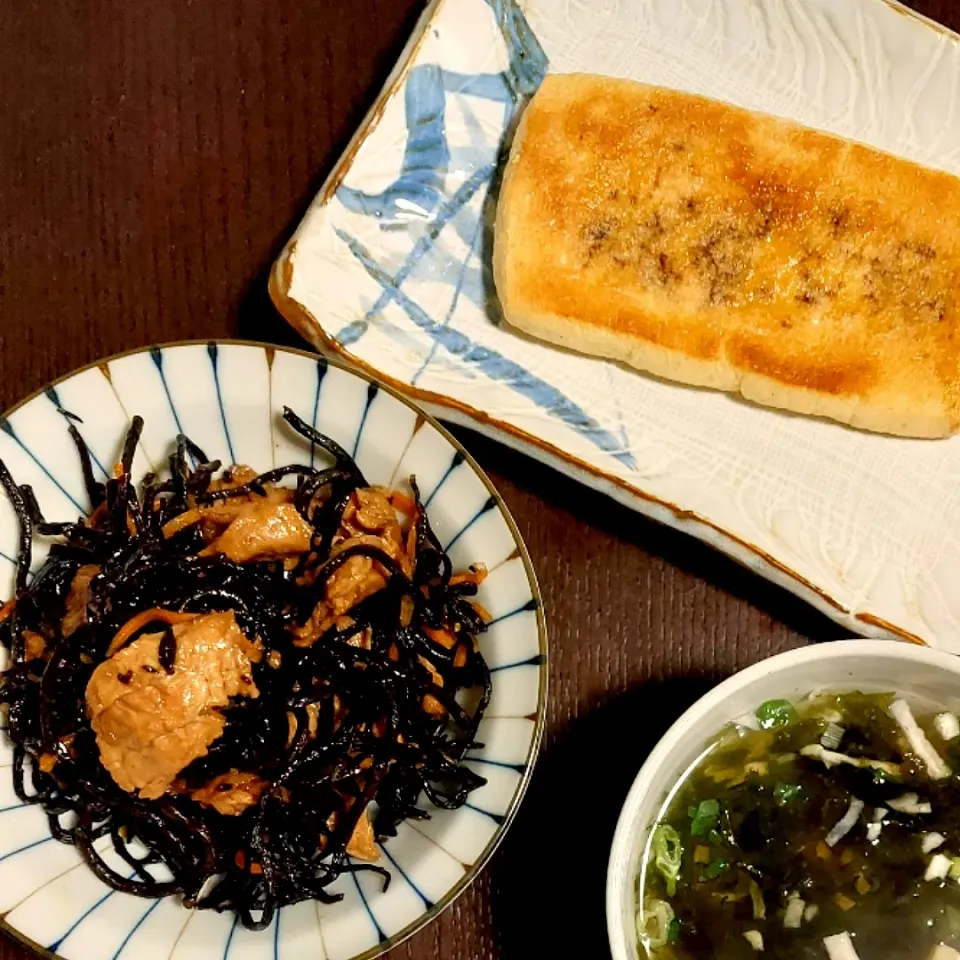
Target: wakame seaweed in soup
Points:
(825, 829)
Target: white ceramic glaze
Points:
(391, 266)
(227, 397)
(866, 665)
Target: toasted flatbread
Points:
(714, 246)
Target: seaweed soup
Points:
(826, 828)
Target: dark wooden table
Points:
(154, 156)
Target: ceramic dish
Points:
(845, 665)
(391, 267)
(226, 397)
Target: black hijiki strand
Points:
(362, 733)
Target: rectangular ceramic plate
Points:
(390, 267)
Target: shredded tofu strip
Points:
(942, 952)
(938, 868)
(840, 947)
(912, 804)
(846, 823)
(793, 915)
(830, 758)
(931, 841)
(919, 744)
(755, 939)
(948, 726)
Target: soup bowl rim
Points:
(844, 660)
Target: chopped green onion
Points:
(654, 922)
(667, 855)
(880, 776)
(955, 869)
(673, 931)
(776, 713)
(705, 818)
(756, 895)
(786, 793)
(716, 867)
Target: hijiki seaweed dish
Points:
(825, 828)
(245, 682)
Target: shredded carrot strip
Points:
(403, 503)
(433, 706)
(485, 614)
(442, 636)
(434, 676)
(96, 516)
(117, 470)
(476, 575)
(7, 609)
(140, 620)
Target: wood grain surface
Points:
(154, 156)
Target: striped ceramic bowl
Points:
(227, 398)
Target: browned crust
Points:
(714, 246)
